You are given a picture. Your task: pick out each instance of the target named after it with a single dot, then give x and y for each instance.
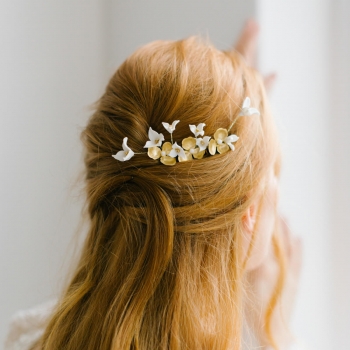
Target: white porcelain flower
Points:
(170, 127)
(222, 142)
(177, 151)
(247, 111)
(191, 149)
(125, 154)
(189, 144)
(197, 130)
(156, 139)
(162, 153)
(229, 139)
(203, 143)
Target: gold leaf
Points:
(220, 134)
(212, 147)
(167, 147)
(154, 152)
(166, 160)
(199, 155)
(188, 157)
(223, 148)
(188, 143)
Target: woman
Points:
(185, 248)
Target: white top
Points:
(27, 326)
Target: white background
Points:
(55, 60)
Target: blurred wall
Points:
(339, 121)
(138, 22)
(295, 43)
(52, 67)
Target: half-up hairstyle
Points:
(162, 265)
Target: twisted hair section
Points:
(161, 267)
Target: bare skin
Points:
(262, 266)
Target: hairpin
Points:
(191, 147)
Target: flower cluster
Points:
(191, 147)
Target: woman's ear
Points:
(248, 223)
(249, 218)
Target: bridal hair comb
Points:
(191, 147)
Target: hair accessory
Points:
(197, 130)
(126, 153)
(155, 139)
(247, 110)
(192, 147)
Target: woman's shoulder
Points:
(27, 326)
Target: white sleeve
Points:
(27, 326)
(250, 342)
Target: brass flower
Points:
(188, 156)
(165, 158)
(223, 141)
(198, 154)
(189, 144)
(212, 147)
(163, 153)
(154, 152)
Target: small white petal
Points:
(154, 135)
(128, 155)
(231, 138)
(177, 151)
(119, 156)
(150, 144)
(170, 128)
(182, 153)
(232, 146)
(175, 122)
(156, 139)
(193, 129)
(197, 130)
(253, 111)
(203, 143)
(246, 110)
(125, 146)
(166, 125)
(123, 155)
(173, 153)
(200, 127)
(206, 139)
(246, 103)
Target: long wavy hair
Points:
(162, 265)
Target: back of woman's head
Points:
(162, 265)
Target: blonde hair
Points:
(162, 265)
